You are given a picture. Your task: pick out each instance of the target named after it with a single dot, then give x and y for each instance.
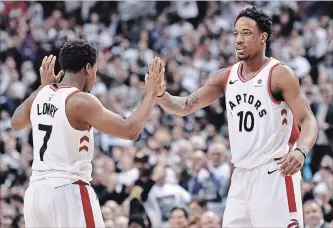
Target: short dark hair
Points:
(264, 22)
(180, 208)
(76, 54)
(201, 202)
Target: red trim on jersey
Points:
(83, 148)
(283, 112)
(71, 94)
(290, 194)
(226, 79)
(87, 210)
(53, 87)
(86, 138)
(294, 132)
(240, 68)
(89, 127)
(269, 85)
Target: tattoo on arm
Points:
(179, 105)
(191, 101)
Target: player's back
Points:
(60, 151)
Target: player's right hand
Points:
(155, 75)
(46, 71)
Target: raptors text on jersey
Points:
(259, 126)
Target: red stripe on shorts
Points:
(290, 194)
(87, 210)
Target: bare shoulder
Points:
(283, 77)
(82, 101)
(219, 78)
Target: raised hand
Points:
(155, 76)
(46, 70)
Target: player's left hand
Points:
(291, 163)
(46, 70)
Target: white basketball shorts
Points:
(72, 205)
(261, 197)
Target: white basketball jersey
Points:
(259, 126)
(61, 153)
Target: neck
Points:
(254, 64)
(74, 80)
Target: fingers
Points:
(153, 64)
(292, 165)
(51, 68)
(47, 63)
(160, 65)
(146, 78)
(285, 163)
(279, 162)
(42, 67)
(162, 74)
(295, 170)
(60, 74)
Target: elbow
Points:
(133, 131)
(14, 125)
(133, 136)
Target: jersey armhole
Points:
(71, 94)
(226, 79)
(277, 97)
(67, 98)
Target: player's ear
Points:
(88, 68)
(263, 37)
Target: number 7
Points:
(48, 129)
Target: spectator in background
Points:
(205, 183)
(313, 216)
(323, 111)
(178, 218)
(192, 44)
(210, 220)
(163, 197)
(197, 207)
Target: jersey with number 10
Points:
(259, 126)
(62, 154)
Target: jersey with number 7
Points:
(60, 151)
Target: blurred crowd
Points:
(177, 174)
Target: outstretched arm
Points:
(285, 81)
(204, 96)
(87, 108)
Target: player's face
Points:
(248, 39)
(91, 70)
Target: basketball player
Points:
(262, 98)
(61, 116)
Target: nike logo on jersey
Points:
(232, 82)
(47, 109)
(270, 172)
